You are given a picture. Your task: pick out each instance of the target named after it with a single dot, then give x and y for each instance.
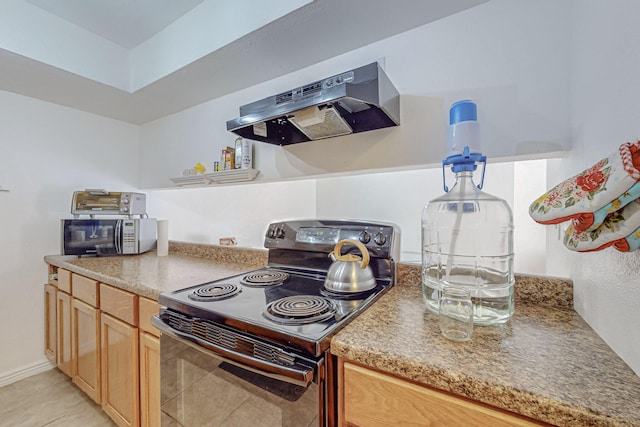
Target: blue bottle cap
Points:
(463, 111)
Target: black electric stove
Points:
(285, 304)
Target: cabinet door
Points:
(149, 380)
(50, 322)
(120, 371)
(371, 398)
(85, 345)
(63, 332)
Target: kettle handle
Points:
(363, 250)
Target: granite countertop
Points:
(545, 362)
(149, 275)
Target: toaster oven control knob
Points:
(125, 209)
(364, 237)
(380, 239)
(125, 201)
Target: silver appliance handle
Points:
(118, 236)
(298, 376)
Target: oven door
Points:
(201, 385)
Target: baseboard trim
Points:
(25, 372)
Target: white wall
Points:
(400, 197)
(605, 114)
(46, 153)
(494, 53)
(85, 53)
(204, 215)
(210, 26)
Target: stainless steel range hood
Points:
(355, 101)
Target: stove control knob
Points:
(270, 233)
(279, 233)
(380, 239)
(364, 237)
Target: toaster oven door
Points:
(96, 202)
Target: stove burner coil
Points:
(299, 310)
(264, 278)
(215, 292)
(348, 295)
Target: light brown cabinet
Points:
(120, 304)
(85, 336)
(86, 348)
(374, 399)
(102, 337)
(149, 380)
(120, 371)
(120, 355)
(50, 321)
(149, 365)
(63, 332)
(64, 280)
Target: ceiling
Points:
(63, 51)
(127, 23)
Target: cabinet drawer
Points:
(120, 304)
(148, 308)
(85, 289)
(64, 280)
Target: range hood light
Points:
(326, 123)
(309, 116)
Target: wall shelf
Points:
(222, 177)
(189, 180)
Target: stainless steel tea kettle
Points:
(349, 272)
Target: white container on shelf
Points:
(247, 154)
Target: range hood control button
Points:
(364, 237)
(380, 239)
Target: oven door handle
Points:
(299, 375)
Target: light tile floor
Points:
(48, 399)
